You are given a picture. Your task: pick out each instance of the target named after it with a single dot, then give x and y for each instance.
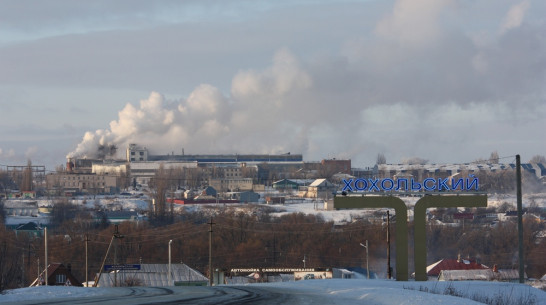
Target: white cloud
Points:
(514, 17)
(413, 23)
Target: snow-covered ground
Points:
(303, 206)
(347, 292)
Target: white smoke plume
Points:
(208, 121)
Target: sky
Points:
(448, 81)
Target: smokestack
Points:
(69, 166)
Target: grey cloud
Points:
(317, 79)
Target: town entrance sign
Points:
(429, 200)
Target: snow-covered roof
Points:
(154, 275)
(453, 264)
(320, 182)
(465, 275)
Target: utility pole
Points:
(116, 236)
(23, 271)
(169, 274)
(45, 246)
(38, 261)
(388, 246)
(210, 252)
(86, 265)
(520, 220)
(367, 260)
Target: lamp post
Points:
(367, 265)
(169, 272)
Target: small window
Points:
(60, 278)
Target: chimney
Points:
(495, 268)
(459, 258)
(69, 165)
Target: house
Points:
(286, 184)
(29, 228)
(245, 197)
(154, 275)
(320, 188)
(117, 217)
(57, 275)
(434, 270)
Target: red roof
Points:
(453, 264)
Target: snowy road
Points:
(332, 291)
(182, 295)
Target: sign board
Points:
(121, 267)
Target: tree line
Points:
(254, 238)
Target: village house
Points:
(57, 275)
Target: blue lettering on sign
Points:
(429, 184)
(374, 185)
(347, 186)
(361, 184)
(443, 184)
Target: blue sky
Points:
(446, 81)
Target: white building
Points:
(143, 172)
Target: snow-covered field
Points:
(347, 292)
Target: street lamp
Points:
(169, 272)
(367, 265)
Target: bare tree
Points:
(494, 158)
(538, 159)
(26, 183)
(381, 159)
(161, 213)
(10, 254)
(63, 211)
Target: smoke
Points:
(210, 122)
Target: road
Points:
(191, 295)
